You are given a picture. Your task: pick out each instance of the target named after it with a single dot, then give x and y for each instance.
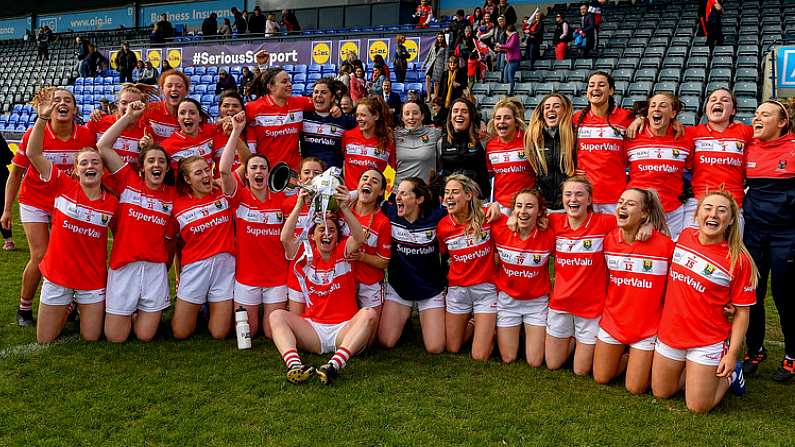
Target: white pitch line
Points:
(31, 348)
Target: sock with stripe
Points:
(291, 359)
(340, 358)
(25, 304)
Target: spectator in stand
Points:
(256, 22)
(391, 99)
(225, 82)
(500, 37)
(106, 107)
(138, 71)
(210, 25)
(476, 18)
(150, 74)
(595, 8)
(710, 12)
(377, 79)
(240, 24)
(246, 76)
(489, 7)
(43, 43)
(562, 37)
(453, 83)
(82, 56)
(5, 159)
(485, 32)
(289, 21)
(456, 27)
(513, 56)
(587, 29)
(439, 112)
(226, 28)
(346, 105)
(271, 25)
(354, 60)
(464, 46)
(163, 29)
(126, 61)
(344, 75)
(401, 61)
(434, 65)
(535, 35)
(423, 14)
(507, 11)
(96, 61)
(378, 61)
(358, 85)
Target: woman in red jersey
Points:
(205, 217)
(371, 145)
(258, 223)
(372, 258)
(161, 117)
(143, 235)
(74, 263)
(331, 322)
(230, 104)
(718, 153)
(580, 278)
(600, 130)
(657, 159)
(638, 271)
(126, 144)
(505, 151)
(465, 236)
(62, 140)
(524, 245)
(710, 268)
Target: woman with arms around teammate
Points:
(144, 234)
(370, 145)
(524, 244)
(73, 266)
(770, 215)
(466, 237)
(460, 150)
(321, 134)
(63, 138)
(580, 278)
(331, 321)
(710, 269)
(230, 104)
(415, 144)
(637, 276)
(506, 156)
(549, 147)
(416, 275)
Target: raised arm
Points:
(228, 183)
(105, 144)
(35, 148)
(287, 236)
(356, 239)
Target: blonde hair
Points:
(147, 92)
(534, 138)
(733, 236)
(474, 207)
(581, 179)
(517, 109)
(654, 209)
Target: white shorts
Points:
(296, 296)
(690, 215)
(564, 325)
(511, 312)
(54, 295)
(254, 296)
(327, 333)
(211, 279)
(370, 295)
(479, 299)
(434, 302)
(676, 221)
(703, 355)
(137, 286)
(605, 208)
(647, 344)
(31, 214)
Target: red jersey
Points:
(512, 171)
(580, 270)
(78, 247)
(258, 225)
(771, 159)
(378, 242)
(330, 284)
(205, 225)
(276, 129)
(719, 159)
(60, 153)
(362, 154)
(144, 220)
(600, 153)
(701, 283)
(161, 123)
(524, 265)
(638, 272)
(179, 145)
(471, 255)
(127, 143)
(659, 163)
(288, 203)
(219, 143)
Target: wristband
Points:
(44, 118)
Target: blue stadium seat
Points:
(195, 79)
(188, 71)
(78, 98)
(212, 70)
(208, 99)
(746, 105)
(197, 98)
(288, 68)
(199, 70)
(88, 81)
(398, 87)
(314, 68)
(78, 89)
(213, 110)
(301, 68)
(311, 77)
(107, 80)
(416, 86)
(690, 103)
(298, 89)
(88, 99)
(13, 118)
(20, 128)
(207, 79)
(299, 78)
(79, 81)
(745, 89)
(200, 89)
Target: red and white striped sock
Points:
(340, 358)
(25, 304)
(291, 359)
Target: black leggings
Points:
(3, 178)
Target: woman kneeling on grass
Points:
(638, 272)
(331, 321)
(711, 268)
(73, 266)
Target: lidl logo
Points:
(347, 47)
(112, 57)
(155, 57)
(174, 57)
(377, 47)
(321, 52)
(413, 46)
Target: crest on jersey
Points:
(292, 116)
(782, 164)
(709, 269)
(675, 152)
(484, 235)
(424, 138)
(521, 155)
(104, 218)
(429, 234)
(279, 216)
(218, 204)
(740, 145)
(536, 259)
(333, 128)
(587, 244)
(647, 264)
